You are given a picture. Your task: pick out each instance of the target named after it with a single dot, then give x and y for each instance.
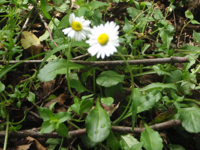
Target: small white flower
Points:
(79, 28)
(103, 40)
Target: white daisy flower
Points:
(79, 28)
(103, 40)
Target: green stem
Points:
(94, 81)
(184, 27)
(61, 143)
(132, 85)
(68, 80)
(100, 144)
(75, 126)
(7, 129)
(58, 29)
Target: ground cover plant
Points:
(114, 75)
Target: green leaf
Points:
(175, 76)
(109, 78)
(76, 106)
(98, 124)
(78, 86)
(159, 71)
(46, 127)
(128, 141)
(51, 26)
(62, 116)
(146, 102)
(175, 147)
(2, 87)
(43, 8)
(151, 139)
(188, 65)
(166, 36)
(158, 14)
(158, 85)
(97, 4)
(189, 15)
(187, 83)
(190, 119)
(84, 11)
(31, 97)
(112, 142)
(86, 105)
(133, 12)
(50, 71)
(113, 90)
(45, 113)
(194, 22)
(87, 142)
(64, 22)
(107, 100)
(62, 130)
(134, 106)
(137, 5)
(62, 8)
(127, 27)
(53, 141)
(137, 146)
(196, 36)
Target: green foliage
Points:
(151, 139)
(129, 142)
(55, 67)
(146, 33)
(189, 118)
(107, 100)
(97, 124)
(112, 142)
(109, 78)
(54, 122)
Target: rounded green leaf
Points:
(62, 130)
(50, 71)
(2, 87)
(46, 127)
(98, 124)
(107, 100)
(190, 119)
(109, 78)
(189, 15)
(31, 97)
(151, 139)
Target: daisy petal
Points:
(106, 46)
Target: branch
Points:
(35, 132)
(114, 63)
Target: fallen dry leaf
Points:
(110, 109)
(31, 43)
(23, 147)
(31, 142)
(38, 145)
(60, 99)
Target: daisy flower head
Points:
(79, 28)
(103, 39)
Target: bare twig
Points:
(114, 63)
(35, 132)
(48, 29)
(25, 24)
(157, 127)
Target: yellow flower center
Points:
(103, 39)
(76, 25)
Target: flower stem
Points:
(7, 129)
(68, 80)
(132, 85)
(94, 80)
